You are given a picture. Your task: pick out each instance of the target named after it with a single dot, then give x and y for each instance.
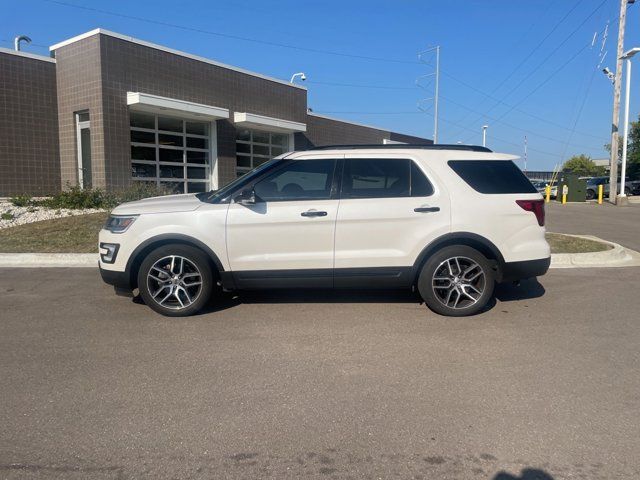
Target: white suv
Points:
(451, 220)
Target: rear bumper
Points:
(512, 271)
(120, 280)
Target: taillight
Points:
(535, 206)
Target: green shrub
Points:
(21, 200)
(7, 216)
(138, 191)
(76, 198)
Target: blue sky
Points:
(551, 91)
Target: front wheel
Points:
(456, 281)
(175, 280)
(591, 194)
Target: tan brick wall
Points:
(80, 88)
(29, 160)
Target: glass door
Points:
(83, 136)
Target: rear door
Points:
(391, 207)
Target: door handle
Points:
(426, 209)
(314, 213)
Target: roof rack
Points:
(403, 146)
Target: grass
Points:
(566, 244)
(77, 234)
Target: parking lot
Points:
(616, 224)
(320, 384)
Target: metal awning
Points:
(260, 122)
(145, 102)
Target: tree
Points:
(633, 151)
(583, 165)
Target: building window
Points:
(172, 152)
(254, 147)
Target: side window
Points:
(420, 185)
(299, 180)
(376, 178)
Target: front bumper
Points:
(121, 281)
(512, 271)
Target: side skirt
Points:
(364, 278)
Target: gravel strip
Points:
(22, 215)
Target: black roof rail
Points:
(404, 146)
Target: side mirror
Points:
(246, 197)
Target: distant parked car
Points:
(541, 187)
(630, 187)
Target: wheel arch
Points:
(473, 240)
(138, 255)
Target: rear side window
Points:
(383, 178)
(492, 176)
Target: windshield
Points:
(217, 195)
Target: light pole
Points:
(484, 135)
(627, 56)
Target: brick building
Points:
(107, 109)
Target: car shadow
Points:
(525, 290)
(506, 292)
(319, 296)
(525, 474)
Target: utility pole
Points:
(525, 154)
(435, 100)
(613, 175)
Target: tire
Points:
(457, 298)
(627, 191)
(591, 194)
(177, 294)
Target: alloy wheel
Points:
(458, 282)
(174, 282)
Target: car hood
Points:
(165, 204)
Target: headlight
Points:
(119, 223)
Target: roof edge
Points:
(144, 43)
(327, 117)
(33, 56)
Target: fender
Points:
(484, 245)
(134, 260)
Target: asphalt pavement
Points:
(544, 385)
(616, 224)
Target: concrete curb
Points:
(48, 260)
(618, 256)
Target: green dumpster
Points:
(576, 187)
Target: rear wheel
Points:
(175, 280)
(456, 281)
(591, 194)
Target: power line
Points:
(356, 85)
(234, 37)
(463, 127)
(553, 52)
(388, 87)
(533, 50)
(515, 108)
(510, 125)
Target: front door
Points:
(390, 210)
(285, 239)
